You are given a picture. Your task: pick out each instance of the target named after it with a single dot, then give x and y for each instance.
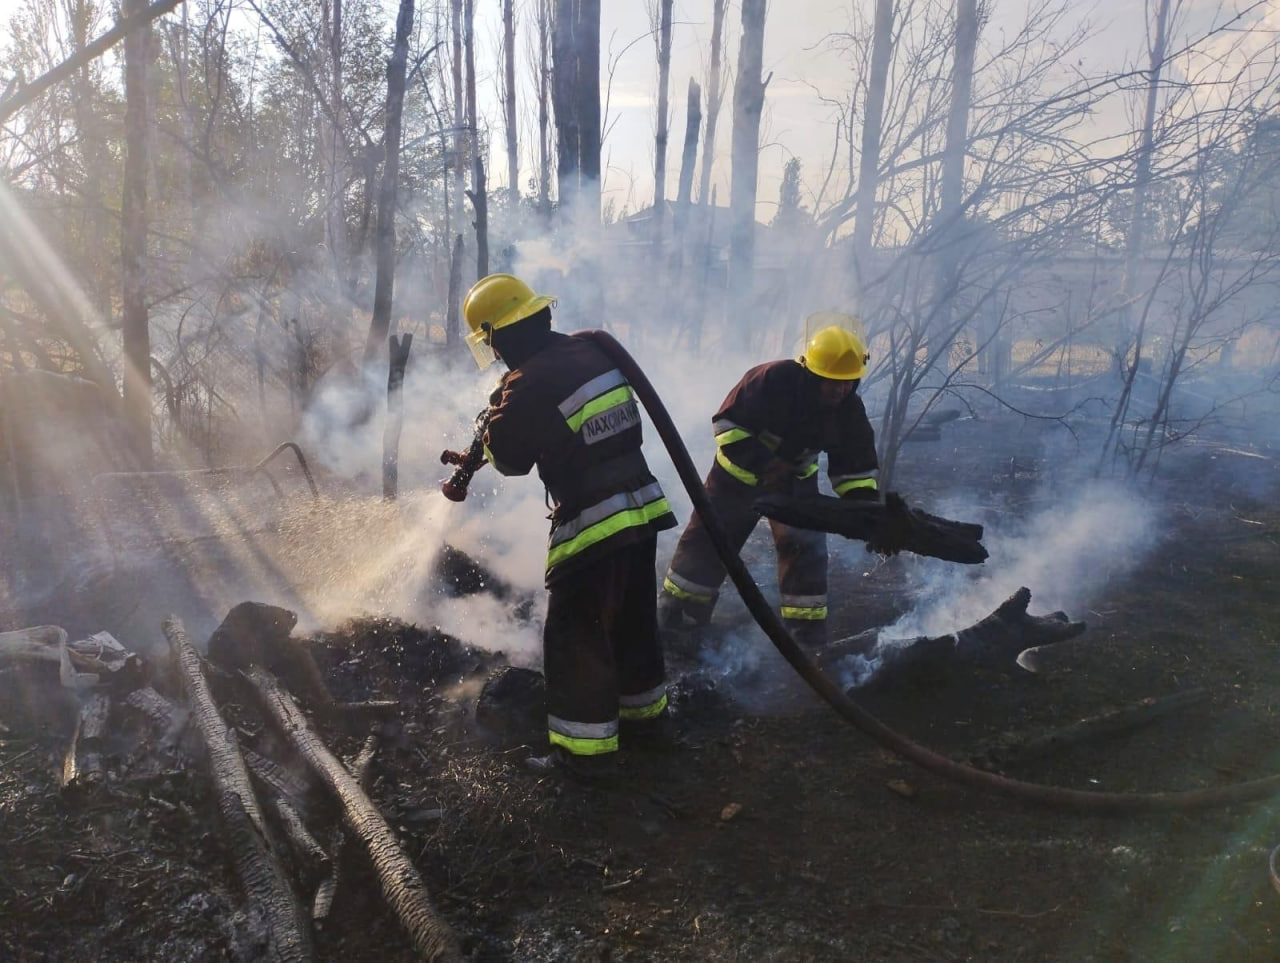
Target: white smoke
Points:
(1067, 554)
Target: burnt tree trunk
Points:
(135, 327)
(384, 285)
(463, 140)
(480, 204)
(402, 886)
(478, 193)
(453, 317)
(563, 88)
(748, 102)
(949, 231)
(664, 111)
(271, 896)
(869, 162)
(587, 36)
(399, 352)
(688, 160)
(544, 107)
(714, 96)
(509, 101)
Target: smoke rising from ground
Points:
(1066, 553)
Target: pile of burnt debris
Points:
(261, 718)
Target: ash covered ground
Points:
(776, 832)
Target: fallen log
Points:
(402, 886)
(870, 521)
(1106, 725)
(83, 766)
(312, 860)
(328, 888)
(284, 929)
(276, 777)
(995, 641)
(164, 716)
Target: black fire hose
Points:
(768, 620)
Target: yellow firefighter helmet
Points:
(834, 347)
(496, 302)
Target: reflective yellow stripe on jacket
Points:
(615, 514)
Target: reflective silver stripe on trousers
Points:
(721, 425)
(602, 510)
(689, 586)
(592, 389)
(804, 601)
(643, 699)
(841, 479)
(582, 730)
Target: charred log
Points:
(83, 766)
(164, 716)
(995, 641)
(402, 886)
(873, 522)
(312, 861)
(284, 929)
(1013, 751)
(328, 888)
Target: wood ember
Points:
(402, 885)
(83, 766)
(313, 861)
(995, 641)
(282, 925)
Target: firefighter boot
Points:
(674, 613)
(809, 635)
(589, 770)
(650, 735)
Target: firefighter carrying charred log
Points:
(769, 432)
(564, 408)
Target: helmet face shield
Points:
(834, 347)
(481, 349)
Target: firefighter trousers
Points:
(696, 572)
(600, 650)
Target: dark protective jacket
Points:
(775, 412)
(568, 410)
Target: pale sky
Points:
(796, 122)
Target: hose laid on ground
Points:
(771, 624)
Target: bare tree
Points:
(714, 96)
(136, 326)
(386, 259)
(663, 41)
(544, 106)
(689, 158)
(748, 103)
(509, 99)
(868, 168)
